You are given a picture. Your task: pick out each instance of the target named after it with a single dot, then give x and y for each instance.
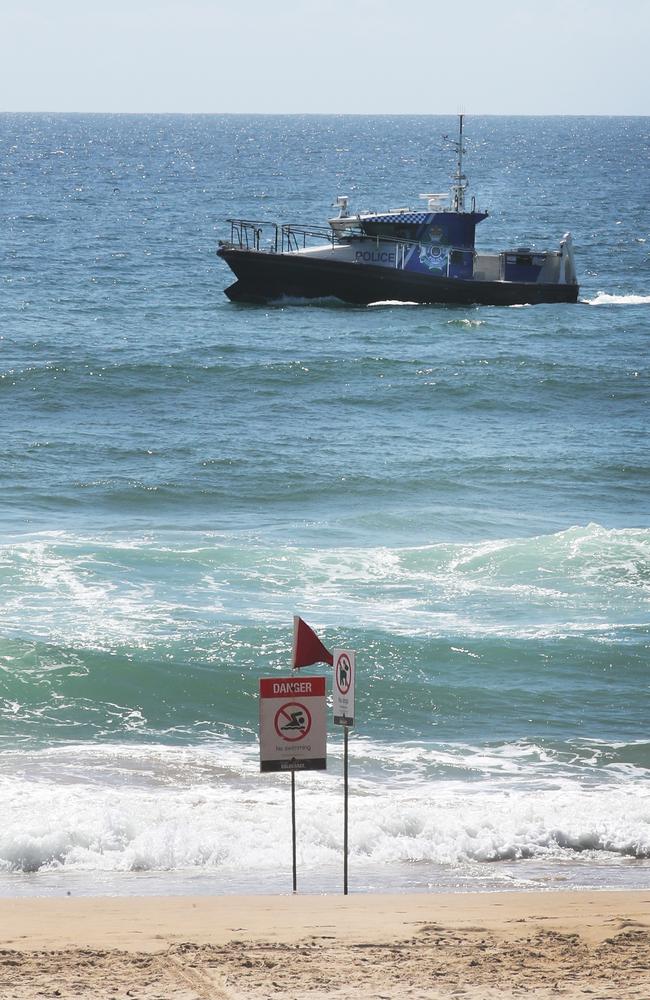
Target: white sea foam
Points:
(126, 809)
(469, 323)
(96, 593)
(606, 299)
(391, 302)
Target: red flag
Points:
(307, 647)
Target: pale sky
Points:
(326, 56)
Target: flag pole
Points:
(293, 829)
(293, 773)
(308, 649)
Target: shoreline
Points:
(391, 945)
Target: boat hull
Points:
(265, 277)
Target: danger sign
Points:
(343, 701)
(293, 724)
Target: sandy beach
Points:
(488, 945)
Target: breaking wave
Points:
(136, 809)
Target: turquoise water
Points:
(459, 494)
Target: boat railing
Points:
(300, 237)
(253, 234)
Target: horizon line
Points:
(341, 114)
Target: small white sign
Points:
(343, 687)
(293, 724)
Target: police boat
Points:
(402, 255)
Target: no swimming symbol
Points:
(292, 721)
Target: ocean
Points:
(461, 495)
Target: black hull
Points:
(264, 277)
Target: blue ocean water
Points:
(459, 494)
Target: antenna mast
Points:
(460, 180)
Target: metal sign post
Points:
(293, 832)
(293, 732)
(343, 704)
(345, 810)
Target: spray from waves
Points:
(605, 299)
(156, 809)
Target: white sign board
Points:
(343, 687)
(293, 724)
